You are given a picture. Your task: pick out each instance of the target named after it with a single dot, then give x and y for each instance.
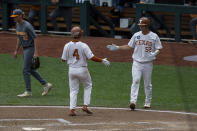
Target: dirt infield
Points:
(50, 45)
(56, 118)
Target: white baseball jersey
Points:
(143, 46)
(76, 54)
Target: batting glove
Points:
(105, 62)
(113, 47)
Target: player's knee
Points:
(136, 82)
(88, 86)
(149, 87)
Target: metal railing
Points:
(176, 9)
(85, 18)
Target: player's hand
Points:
(155, 53)
(105, 62)
(35, 54)
(15, 54)
(112, 47)
(152, 54)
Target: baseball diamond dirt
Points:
(17, 118)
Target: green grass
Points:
(174, 88)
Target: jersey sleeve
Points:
(132, 42)
(158, 43)
(31, 31)
(65, 53)
(88, 52)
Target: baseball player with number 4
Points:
(76, 53)
(146, 46)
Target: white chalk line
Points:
(64, 121)
(154, 129)
(32, 129)
(105, 108)
(68, 122)
(141, 122)
(59, 119)
(98, 123)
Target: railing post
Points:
(84, 17)
(139, 10)
(177, 27)
(43, 12)
(5, 16)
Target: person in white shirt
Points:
(146, 46)
(76, 53)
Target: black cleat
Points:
(132, 106)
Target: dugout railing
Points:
(177, 10)
(86, 13)
(173, 17)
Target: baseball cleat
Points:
(72, 112)
(147, 106)
(132, 106)
(25, 94)
(85, 109)
(47, 87)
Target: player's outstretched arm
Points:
(104, 61)
(114, 47)
(155, 53)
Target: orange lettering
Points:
(76, 54)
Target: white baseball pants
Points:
(77, 75)
(138, 70)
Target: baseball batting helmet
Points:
(144, 21)
(76, 32)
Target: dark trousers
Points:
(27, 71)
(32, 14)
(193, 24)
(65, 12)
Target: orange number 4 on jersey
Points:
(76, 54)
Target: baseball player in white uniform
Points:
(76, 53)
(146, 46)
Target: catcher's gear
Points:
(35, 63)
(144, 21)
(113, 47)
(105, 62)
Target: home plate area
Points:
(46, 118)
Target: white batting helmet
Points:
(144, 21)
